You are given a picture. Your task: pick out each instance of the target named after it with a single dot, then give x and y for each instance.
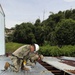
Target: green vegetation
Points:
(55, 35)
(11, 47)
(46, 50)
(56, 51)
(57, 29)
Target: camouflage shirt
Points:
(22, 51)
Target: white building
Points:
(2, 31)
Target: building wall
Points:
(2, 33)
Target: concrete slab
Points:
(37, 70)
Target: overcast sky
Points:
(18, 11)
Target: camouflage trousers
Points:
(16, 63)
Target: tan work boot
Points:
(6, 65)
(26, 69)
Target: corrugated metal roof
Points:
(61, 66)
(67, 58)
(37, 70)
(51, 59)
(57, 64)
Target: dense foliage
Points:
(57, 29)
(48, 50)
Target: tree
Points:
(37, 22)
(65, 32)
(39, 35)
(68, 14)
(24, 33)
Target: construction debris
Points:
(58, 64)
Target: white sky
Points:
(18, 11)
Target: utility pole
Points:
(43, 15)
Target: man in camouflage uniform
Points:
(33, 58)
(25, 52)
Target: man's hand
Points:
(40, 57)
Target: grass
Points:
(46, 50)
(11, 47)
